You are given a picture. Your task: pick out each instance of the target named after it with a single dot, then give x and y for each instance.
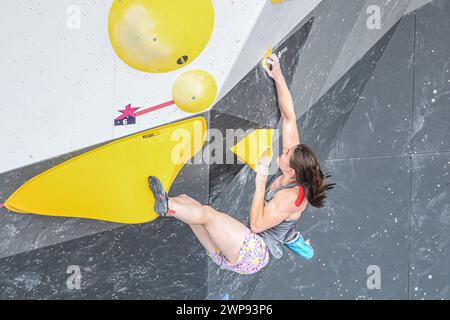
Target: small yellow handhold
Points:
(267, 54)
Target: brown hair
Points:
(309, 174)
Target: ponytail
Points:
(310, 175)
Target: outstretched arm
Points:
(289, 129)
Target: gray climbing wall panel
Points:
(430, 215)
(382, 132)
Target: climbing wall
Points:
(372, 101)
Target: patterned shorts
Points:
(253, 256)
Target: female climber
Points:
(273, 213)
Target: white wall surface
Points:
(60, 89)
(56, 84)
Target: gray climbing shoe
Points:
(161, 196)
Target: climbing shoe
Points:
(301, 247)
(161, 197)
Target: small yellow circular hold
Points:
(194, 91)
(158, 36)
(266, 55)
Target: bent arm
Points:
(275, 212)
(257, 208)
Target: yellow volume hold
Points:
(254, 146)
(110, 183)
(159, 36)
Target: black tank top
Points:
(281, 233)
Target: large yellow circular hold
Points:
(160, 35)
(194, 91)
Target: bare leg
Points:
(224, 231)
(199, 230)
(204, 238)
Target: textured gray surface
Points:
(430, 227)
(361, 37)
(348, 235)
(381, 120)
(432, 77)
(159, 260)
(430, 216)
(341, 36)
(322, 124)
(333, 23)
(390, 208)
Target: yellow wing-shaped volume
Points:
(110, 183)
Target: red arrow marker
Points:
(157, 107)
(129, 111)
